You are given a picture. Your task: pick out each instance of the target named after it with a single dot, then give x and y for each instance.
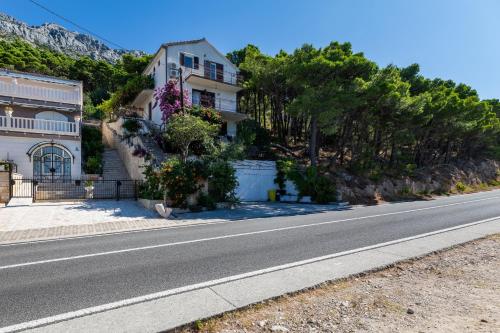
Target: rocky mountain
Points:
(60, 39)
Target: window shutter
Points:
(181, 59)
(220, 72)
(196, 63)
(206, 68)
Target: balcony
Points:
(226, 107)
(31, 90)
(213, 79)
(39, 126)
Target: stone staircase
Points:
(113, 167)
(152, 147)
(150, 144)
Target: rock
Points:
(484, 321)
(410, 311)
(262, 323)
(279, 328)
(60, 39)
(163, 211)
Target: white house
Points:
(209, 78)
(40, 125)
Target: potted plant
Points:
(89, 189)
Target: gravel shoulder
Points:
(456, 290)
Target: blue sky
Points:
(451, 39)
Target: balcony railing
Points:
(36, 91)
(42, 126)
(220, 104)
(223, 76)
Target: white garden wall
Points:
(256, 178)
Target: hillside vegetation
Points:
(328, 105)
(340, 106)
(100, 78)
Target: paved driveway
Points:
(57, 214)
(23, 221)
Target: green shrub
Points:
(494, 182)
(409, 169)
(185, 129)
(461, 187)
(405, 191)
(92, 149)
(132, 126)
(125, 94)
(93, 165)
(251, 134)
(285, 169)
(151, 188)
(206, 201)
(207, 114)
(181, 179)
(310, 183)
(222, 181)
(375, 175)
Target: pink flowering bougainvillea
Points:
(169, 99)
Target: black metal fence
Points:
(75, 189)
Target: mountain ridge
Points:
(60, 39)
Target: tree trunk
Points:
(313, 139)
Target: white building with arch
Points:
(40, 125)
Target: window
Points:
(189, 61)
(196, 97)
(213, 71)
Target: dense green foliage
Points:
(222, 181)
(100, 78)
(181, 179)
(152, 188)
(308, 182)
(363, 117)
(184, 129)
(92, 149)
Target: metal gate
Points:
(73, 189)
(22, 188)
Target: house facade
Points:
(207, 76)
(40, 125)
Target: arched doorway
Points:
(51, 163)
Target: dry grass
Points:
(452, 291)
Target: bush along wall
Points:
(92, 149)
(308, 181)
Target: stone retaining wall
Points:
(4, 186)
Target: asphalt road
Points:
(43, 279)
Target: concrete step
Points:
(113, 167)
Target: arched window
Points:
(51, 163)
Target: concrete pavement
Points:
(22, 223)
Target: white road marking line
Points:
(302, 226)
(145, 298)
(222, 221)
